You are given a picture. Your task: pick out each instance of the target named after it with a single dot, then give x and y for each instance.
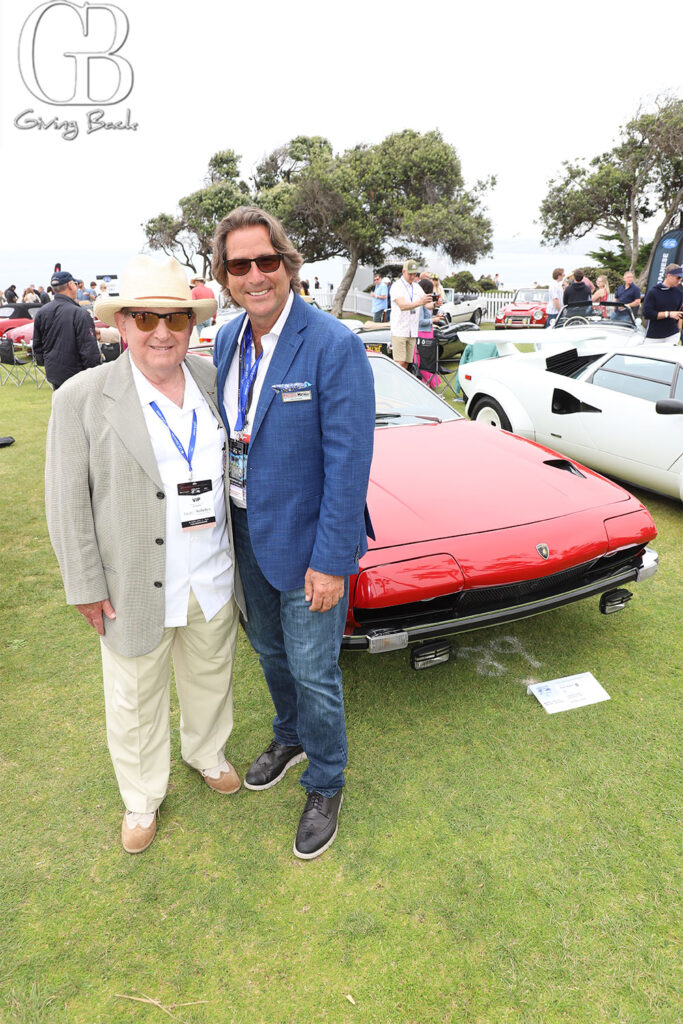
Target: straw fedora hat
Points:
(146, 284)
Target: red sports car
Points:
(476, 527)
(16, 314)
(529, 308)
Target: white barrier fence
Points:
(358, 301)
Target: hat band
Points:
(173, 298)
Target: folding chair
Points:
(18, 370)
(443, 358)
(11, 368)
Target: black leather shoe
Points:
(317, 825)
(270, 767)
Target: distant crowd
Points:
(40, 296)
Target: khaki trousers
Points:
(137, 703)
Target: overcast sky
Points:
(516, 88)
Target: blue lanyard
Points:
(247, 378)
(193, 435)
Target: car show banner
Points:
(669, 250)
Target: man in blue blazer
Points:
(297, 398)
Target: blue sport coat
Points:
(309, 461)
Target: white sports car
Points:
(615, 407)
(462, 310)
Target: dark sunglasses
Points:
(147, 322)
(266, 264)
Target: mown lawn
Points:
(495, 865)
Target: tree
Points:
(370, 205)
(462, 281)
(375, 204)
(638, 180)
(189, 236)
(616, 261)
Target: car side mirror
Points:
(669, 407)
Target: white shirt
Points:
(232, 382)
(404, 322)
(196, 559)
(556, 291)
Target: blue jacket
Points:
(309, 461)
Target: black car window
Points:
(638, 376)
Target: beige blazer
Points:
(105, 501)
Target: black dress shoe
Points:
(269, 768)
(317, 825)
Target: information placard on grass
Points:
(568, 692)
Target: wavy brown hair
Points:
(247, 217)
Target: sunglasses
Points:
(147, 322)
(266, 264)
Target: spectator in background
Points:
(30, 295)
(578, 291)
(663, 307)
(601, 294)
(11, 293)
(406, 299)
(83, 295)
(42, 295)
(555, 296)
(64, 334)
(200, 290)
(316, 284)
(629, 295)
(380, 299)
(438, 288)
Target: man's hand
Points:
(93, 613)
(323, 591)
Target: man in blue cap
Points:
(64, 339)
(663, 307)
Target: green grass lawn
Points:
(494, 865)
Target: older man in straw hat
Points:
(137, 516)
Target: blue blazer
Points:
(309, 461)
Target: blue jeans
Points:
(299, 654)
(378, 316)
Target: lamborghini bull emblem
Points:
(543, 550)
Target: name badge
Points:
(195, 498)
(238, 450)
(298, 391)
(296, 396)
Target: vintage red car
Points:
(529, 308)
(476, 527)
(16, 314)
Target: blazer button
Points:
(160, 494)
(158, 583)
(160, 540)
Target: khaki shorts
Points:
(403, 349)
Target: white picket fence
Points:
(358, 301)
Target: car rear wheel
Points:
(488, 410)
(476, 317)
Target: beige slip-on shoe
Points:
(223, 779)
(136, 833)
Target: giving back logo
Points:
(70, 57)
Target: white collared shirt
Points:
(232, 383)
(405, 322)
(196, 559)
